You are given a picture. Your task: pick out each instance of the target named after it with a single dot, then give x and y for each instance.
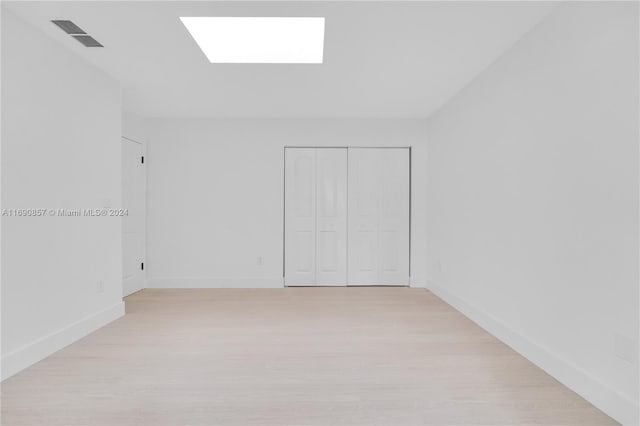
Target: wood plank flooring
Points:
(295, 356)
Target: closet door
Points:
(300, 216)
(393, 220)
(363, 216)
(378, 216)
(316, 216)
(331, 216)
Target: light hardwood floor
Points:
(296, 356)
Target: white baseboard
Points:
(607, 399)
(41, 348)
(214, 282)
(192, 282)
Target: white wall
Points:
(60, 149)
(533, 200)
(215, 194)
(135, 127)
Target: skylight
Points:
(264, 40)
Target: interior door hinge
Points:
(142, 266)
(142, 159)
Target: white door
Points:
(315, 216)
(331, 216)
(300, 216)
(133, 224)
(378, 216)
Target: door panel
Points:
(379, 216)
(327, 251)
(390, 257)
(300, 216)
(305, 252)
(394, 216)
(133, 224)
(366, 245)
(363, 217)
(303, 184)
(331, 226)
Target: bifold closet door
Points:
(331, 216)
(378, 216)
(315, 216)
(300, 216)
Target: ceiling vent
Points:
(69, 27)
(76, 32)
(87, 40)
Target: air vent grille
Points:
(87, 40)
(68, 27)
(76, 32)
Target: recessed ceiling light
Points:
(265, 40)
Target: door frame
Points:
(143, 147)
(347, 147)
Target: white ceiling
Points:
(381, 59)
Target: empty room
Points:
(320, 213)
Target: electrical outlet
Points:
(259, 261)
(439, 267)
(100, 287)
